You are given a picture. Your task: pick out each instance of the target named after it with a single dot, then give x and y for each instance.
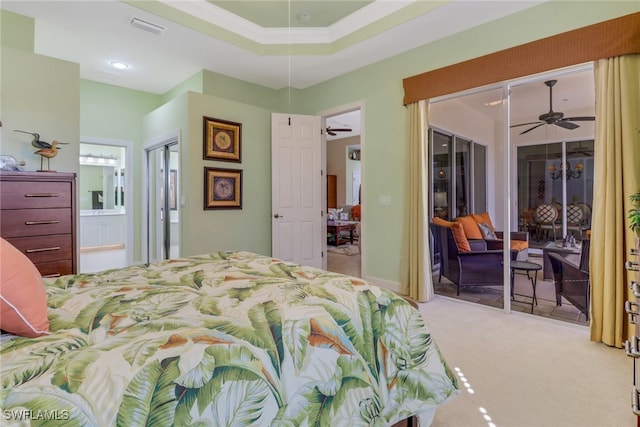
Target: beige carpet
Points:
(527, 371)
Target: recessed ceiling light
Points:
(119, 65)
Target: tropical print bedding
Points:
(224, 339)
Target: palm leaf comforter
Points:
(225, 339)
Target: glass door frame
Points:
(129, 210)
(169, 143)
(509, 204)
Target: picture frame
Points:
(173, 189)
(222, 188)
(222, 140)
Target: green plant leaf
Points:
(42, 354)
(150, 399)
(193, 280)
(69, 370)
(240, 404)
(51, 406)
(405, 335)
(266, 320)
(295, 336)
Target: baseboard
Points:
(383, 283)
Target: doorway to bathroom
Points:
(105, 202)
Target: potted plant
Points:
(634, 214)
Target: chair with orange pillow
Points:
(464, 262)
(480, 227)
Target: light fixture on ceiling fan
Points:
(554, 117)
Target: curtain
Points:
(417, 282)
(616, 176)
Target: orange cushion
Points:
(23, 299)
(470, 226)
(483, 217)
(355, 213)
(458, 233)
(439, 221)
(519, 245)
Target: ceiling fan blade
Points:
(329, 132)
(339, 129)
(524, 124)
(566, 125)
(530, 129)
(580, 119)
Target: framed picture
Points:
(222, 188)
(173, 189)
(221, 140)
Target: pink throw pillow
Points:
(23, 299)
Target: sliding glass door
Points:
(458, 176)
(558, 175)
(163, 207)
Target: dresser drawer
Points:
(22, 194)
(35, 222)
(45, 248)
(55, 268)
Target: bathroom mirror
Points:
(101, 180)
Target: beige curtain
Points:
(616, 176)
(417, 282)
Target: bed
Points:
(224, 339)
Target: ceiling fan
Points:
(332, 131)
(553, 117)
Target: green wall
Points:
(40, 94)
(113, 113)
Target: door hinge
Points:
(322, 254)
(321, 214)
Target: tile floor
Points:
(487, 295)
(345, 264)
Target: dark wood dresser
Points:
(38, 216)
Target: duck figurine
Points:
(45, 149)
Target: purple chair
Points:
(480, 267)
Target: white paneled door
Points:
(296, 214)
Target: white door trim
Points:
(129, 210)
(359, 105)
(169, 138)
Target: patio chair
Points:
(478, 267)
(547, 219)
(576, 219)
(571, 280)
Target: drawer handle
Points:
(632, 266)
(630, 308)
(635, 401)
(42, 195)
(51, 221)
(635, 288)
(631, 347)
(53, 248)
(53, 275)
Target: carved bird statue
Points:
(45, 149)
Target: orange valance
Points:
(606, 39)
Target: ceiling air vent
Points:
(147, 26)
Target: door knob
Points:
(278, 216)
